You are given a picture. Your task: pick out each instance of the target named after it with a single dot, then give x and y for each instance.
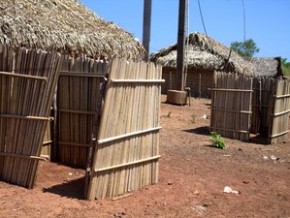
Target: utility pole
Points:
(147, 26)
(244, 19)
(181, 44)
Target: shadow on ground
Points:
(204, 130)
(70, 189)
(258, 139)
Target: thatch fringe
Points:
(270, 66)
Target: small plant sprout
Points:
(217, 140)
(193, 119)
(169, 114)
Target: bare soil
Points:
(191, 182)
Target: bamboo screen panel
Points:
(262, 105)
(47, 140)
(127, 152)
(280, 117)
(231, 105)
(79, 98)
(27, 82)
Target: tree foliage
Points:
(285, 66)
(246, 49)
(285, 63)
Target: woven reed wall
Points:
(127, 150)
(262, 101)
(262, 105)
(27, 79)
(199, 81)
(47, 141)
(280, 117)
(78, 105)
(231, 105)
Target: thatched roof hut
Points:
(203, 56)
(66, 26)
(270, 67)
(203, 52)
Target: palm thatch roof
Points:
(267, 66)
(66, 26)
(205, 53)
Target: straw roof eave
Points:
(66, 26)
(270, 66)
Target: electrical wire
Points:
(201, 16)
(244, 19)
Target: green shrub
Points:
(217, 140)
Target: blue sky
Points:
(267, 21)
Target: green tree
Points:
(246, 49)
(285, 63)
(285, 66)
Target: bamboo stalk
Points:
(128, 135)
(150, 81)
(20, 156)
(127, 164)
(23, 76)
(80, 74)
(229, 90)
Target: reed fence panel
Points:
(231, 105)
(47, 140)
(127, 150)
(78, 104)
(262, 105)
(278, 131)
(27, 82)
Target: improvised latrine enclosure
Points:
(203, 56)
(124, 156)
(87, 43)
(242, 105)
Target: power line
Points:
(201, 16)
(244, 19)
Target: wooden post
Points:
(147, 27)
(181, 44)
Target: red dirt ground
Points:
(191, 182)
